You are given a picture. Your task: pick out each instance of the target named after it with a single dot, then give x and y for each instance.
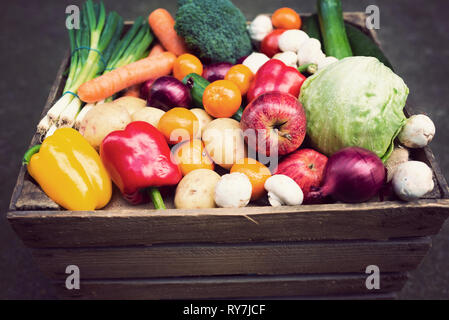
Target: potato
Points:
(196, 190)
(132, 104)
(102, 120)
(204, 119)
(223, 139)
(148, 114)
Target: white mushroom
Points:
(310, 52)
(283, 190)
(412, 180)
(233, 190)
(255, 60)
(326, 62)
(291, 40)
(417, 132)
(260, 27)
(289, 58)
(397, 157)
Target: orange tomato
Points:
(257, 174)
(178, 124)
(222, 99)
(191, 155)
(242, 76)
(286, 18)
(186, 64)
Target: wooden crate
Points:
(310, 251)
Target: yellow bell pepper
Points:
(70, 171)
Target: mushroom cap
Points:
(283, 190)
(233, 190)
(412, 180)
(417, 132)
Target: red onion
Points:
(240, 60)
(216, 71)
(168, 92)
(352, 175)
(145, 88)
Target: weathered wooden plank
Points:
(34, 197)
(55, 92)
(370, 221)
(238, 259)
(426, 155)
(236, 287)
(381, 296)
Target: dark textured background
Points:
(33, 39)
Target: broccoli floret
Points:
(214, 30)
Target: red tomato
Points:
(269, 44)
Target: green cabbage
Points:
(357, 101)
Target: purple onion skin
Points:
(167, 93)
(145, 89)
(240, 60)
(352, 175)
(216, 71)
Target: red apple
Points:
(306, 167)
(274, 123)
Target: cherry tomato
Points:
(178, 124)
(241, 75)
(256, 172)
(222, 98)
(192, 155)
(269, 44)
(186, 64)
(286, 18)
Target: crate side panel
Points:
(239, 259)
(370, 221)
(233, 287)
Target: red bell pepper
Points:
(274, 75)
(137, 158)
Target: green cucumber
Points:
(363, 45)
(197, 85)
(335, 39)
(311, 26)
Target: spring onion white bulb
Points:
(43, 125)
(67, 117)
(55, 112)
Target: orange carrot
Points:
(121, 78)
(133, 91)
(157, 48)
(163, 26)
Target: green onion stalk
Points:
(92, 46)
(132, 47)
